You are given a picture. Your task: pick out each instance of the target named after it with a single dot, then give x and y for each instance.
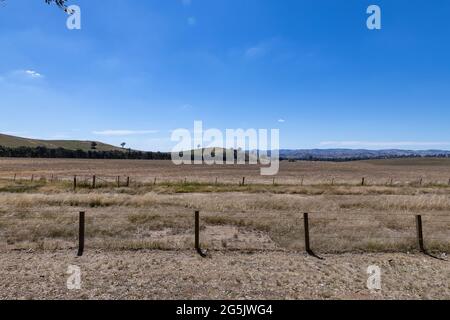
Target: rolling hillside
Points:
(14, 142)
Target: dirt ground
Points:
(230, 275)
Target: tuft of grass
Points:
(143, 218)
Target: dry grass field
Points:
(139, 238)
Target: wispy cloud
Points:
(121, 133)
(21, 75)
(384, 144)
(192, 21)
(256, 51)
(32, 74)
(281, 120)
(186, 107)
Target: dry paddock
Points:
(139, 238)
(235, 275)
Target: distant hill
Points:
(15, 142)
(106, 151)
(361, 154)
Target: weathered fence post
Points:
(128, 182)
(74, 183)
(243, 181)
(306, 229)
(420, 181)
(307, 243)
(32, 177)
(93, 181)
(301, 182)
(363, 181)
(197, 234)
(154, 182)
(118, 181)
(420, 241)
(81, 234)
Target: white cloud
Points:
(24, 74)
(281, 120)
(121, 133)
(33, 74)
(384, 144)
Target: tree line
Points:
(44, 152)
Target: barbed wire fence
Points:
(98, 181)
(313, 227)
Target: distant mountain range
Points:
(358, 154)
(9, 141)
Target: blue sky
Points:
(139, 69)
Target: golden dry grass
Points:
(262, 215)
(254, 233)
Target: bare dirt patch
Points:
(183, 275)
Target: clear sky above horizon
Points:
(139, 69)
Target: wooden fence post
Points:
(128, 182)
(243, 181)
(420, 241)
(93, 181)
(118, 181)
(420, 181)
(306, 229)
(363, 181)
(307, 243)
(154, 182)
(32, 177)
(301, 182)
(74, 183)
(197, 234)
(81, 234)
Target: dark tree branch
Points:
(59, 3)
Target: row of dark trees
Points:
(347, 159)
(44, 152)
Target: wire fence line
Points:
(311, 228)
(244, 181)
